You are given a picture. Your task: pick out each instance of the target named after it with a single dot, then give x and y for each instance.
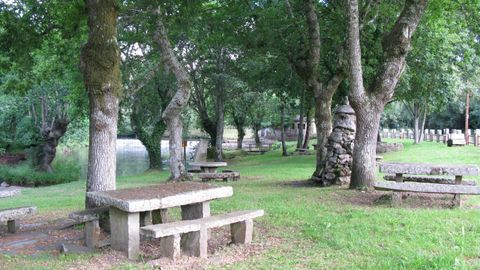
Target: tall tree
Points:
(100, 64)
(172, 113)
(369, 103)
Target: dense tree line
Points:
(157, 66)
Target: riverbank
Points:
(305, 226)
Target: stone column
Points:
(125, 231)
(195, 243)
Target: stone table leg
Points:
(159, 216)
(457, 200)
(195, 243)
(11, 226)
(396, 195)
(125, 230)
(145, 218)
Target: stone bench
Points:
(426, 179)
(256, 151)
(427, 188)
(11, 216)
(191, 236)
(224, 175)
(91, 219)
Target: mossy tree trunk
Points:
(100, 64)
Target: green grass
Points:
(319, 228)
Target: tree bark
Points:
(307, 130)
(282, 130)
(256, 129)
(48, 148)
(239, 121)
(220, 113)
(100, 64)
(467, 112)
(369, 105)
(300, 122)
(416, 117)
(172, 113)
(422, 129)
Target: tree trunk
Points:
(300, 122)
(416, 117)
(100, 64)
(422, 129)
(241, 135)
(239, 121)
(154, 156)
(467, 112)
(369, 105)
(172, 113)
(307, 130)
(282, 130)
(365, 146)
(220, 113)
(323, 122)
(256, 135)
(47, 150)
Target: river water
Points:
(132, 157)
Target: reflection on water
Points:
(132, 157)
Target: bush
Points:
(25, 175)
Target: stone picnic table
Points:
(208, 167)
(128, 206)
(400, 169)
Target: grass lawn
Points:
(318, 228)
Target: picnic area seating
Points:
(12, 215)
(428, 185)
(195, 244)
(128, 219)
(91, 218)
(224, 175)
(456, 139)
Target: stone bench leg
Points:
(397, 195)
(170, 246)
(11, 226)
(125, 229)
(195, 243)
(242, 232)
(457, 200)
(92, 233)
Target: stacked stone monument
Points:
(338, 167)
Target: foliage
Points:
(25, 175)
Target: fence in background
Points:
(432, 135)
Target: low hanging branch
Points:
(172, 113)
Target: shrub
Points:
(25, 175)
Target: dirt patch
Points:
(299, 184)
(42, 235)
(378, 198)
(12, 159)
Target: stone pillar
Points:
(159, 216)
(338, 166)
(92, 233)
(195, 243)
(11, 226)
(125, 230)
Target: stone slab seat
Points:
(428, 188)
(91, 219)
(219, 175)
(12, 214)
(241, 227)
(426, 179)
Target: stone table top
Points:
(160, 196)
(429, 169)
(208, 164)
